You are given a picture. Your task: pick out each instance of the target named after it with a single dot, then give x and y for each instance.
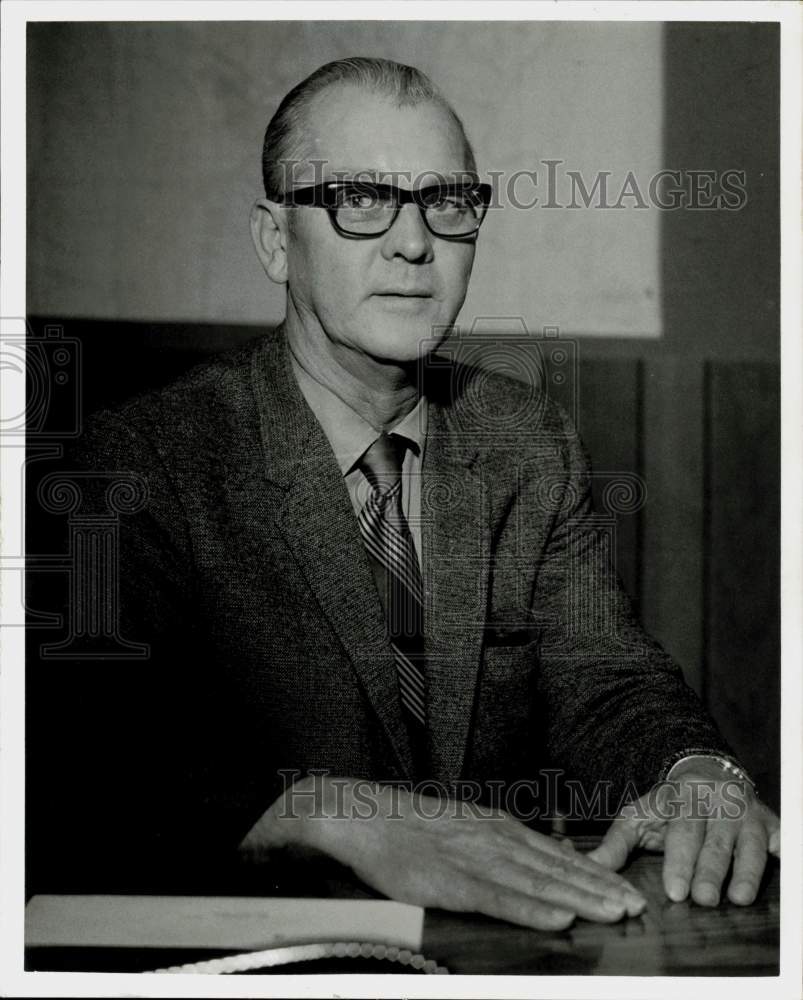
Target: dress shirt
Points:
(350, 435)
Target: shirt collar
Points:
(348, 433)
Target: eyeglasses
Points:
(362, 210)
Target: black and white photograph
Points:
(393, 573)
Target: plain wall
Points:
(145, 143)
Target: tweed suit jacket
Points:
(245, 574)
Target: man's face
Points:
(381, 296)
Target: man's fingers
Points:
(774, 828)
(684, 838)
(749, 861)
(713, 861)
(539, 847)
(583, 874)
(505, 903)
(565, 844)
(562, 888)
(620, 839)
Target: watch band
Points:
(728, 764)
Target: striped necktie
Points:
(387, 539)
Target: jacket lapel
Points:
(456, 544)
(319, 526)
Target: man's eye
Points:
(453, 205)
(357, 200)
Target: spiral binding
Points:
(249, 961)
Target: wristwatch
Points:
(728, 764)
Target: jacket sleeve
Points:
(615, 706)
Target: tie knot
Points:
(382, 462)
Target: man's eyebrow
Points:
(366, 173)
(378, 175)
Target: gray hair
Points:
(405, 85)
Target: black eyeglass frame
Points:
(324, 196)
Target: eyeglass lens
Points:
(366, 211)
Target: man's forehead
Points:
(351, 131)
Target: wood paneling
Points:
(672, 564)
(609, 419)
(742, 559)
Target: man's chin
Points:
(406, 350)
(406, 339)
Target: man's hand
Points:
(438, 853)
(702, 820)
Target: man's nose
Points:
(408, 237)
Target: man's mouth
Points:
(404, 301)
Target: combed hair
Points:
(284, 136)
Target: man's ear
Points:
(269, 232)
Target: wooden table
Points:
(668, 939)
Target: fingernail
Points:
(614, 906)
(562, 920)
(629, 891)
(706, 895)
(636, 904)
(741, 893)
(677, 889)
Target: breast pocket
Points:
(504, 744)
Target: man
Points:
(360, 564)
